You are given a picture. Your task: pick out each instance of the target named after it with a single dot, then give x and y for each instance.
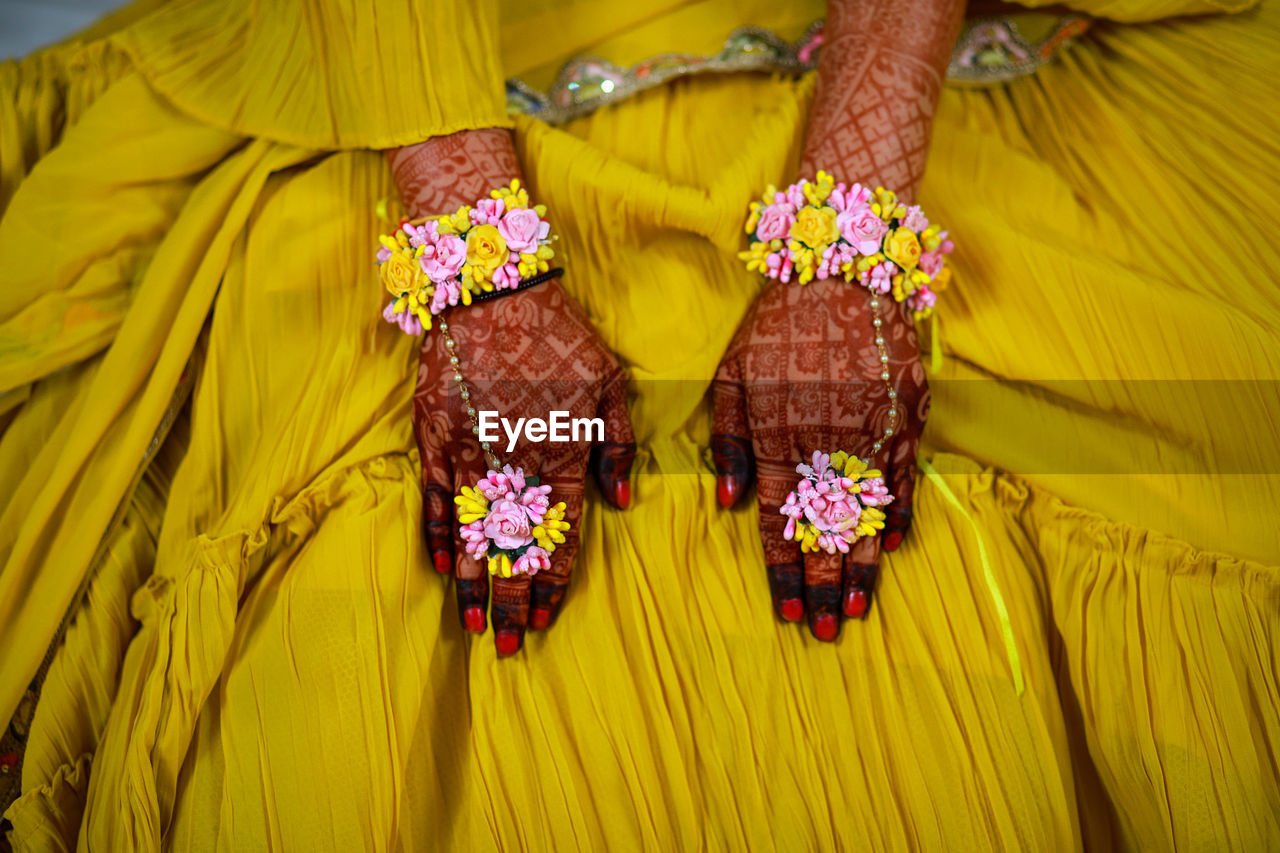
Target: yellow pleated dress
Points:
(206, 422)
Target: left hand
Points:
(802, 374)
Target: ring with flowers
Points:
(435, 262)
(509, 523)
(820, 229)
(836, 503)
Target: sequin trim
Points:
(989, 51)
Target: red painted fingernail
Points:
(824, 627)
(474, 619)
(622, 493)
(792, 610)
(726, 491)
(443, 562)
(855, 604)
(892, 541)
(508, 643)
(539, 618)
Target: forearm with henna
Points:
(446, 172)
(803, 373)
(879, 77)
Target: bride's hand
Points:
(803, 374)
(523, 355)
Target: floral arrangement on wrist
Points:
(836, 502)
(436, 262)
(820, 229)
(509, 524)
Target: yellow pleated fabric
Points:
(264, 658)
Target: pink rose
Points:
(922, 300)
(931, 263)
(477, 543)
(880, 277)
(843, 199)
(863, 229)
(838, 515)
(875, 492)
(522, 228)
(420, 235)
(488, 211)
(775, 222)
(915, 219)
(507, 524)
(443, 261)
(506, 277)
(407, 322)
(531, 561)
(447, 293)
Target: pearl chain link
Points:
(454, 362)
(494, 463)
(877, 323)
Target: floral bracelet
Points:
(435, 262)
(820, 229)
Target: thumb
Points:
(731, 435)
(611, 460)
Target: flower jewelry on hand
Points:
(836, 502)
(433, 263)
(508, 522)
(821, 229)
(507, 519)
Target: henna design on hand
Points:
(524, 355)
(803, 374)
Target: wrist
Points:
(446, 172)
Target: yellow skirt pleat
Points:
(298, 678)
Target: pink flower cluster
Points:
(861, 230)
(832, 503)
(444, 255)
(515, 508)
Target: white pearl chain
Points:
(877, 324)
(454, 362)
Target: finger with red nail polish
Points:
(783, 562)
(437, 525)
(822, 576)
(897, 524)
(859, 587)
(611, 460)
(786, 586)
(473, 603)
(731, 450)
(545, 600)
(510, 613)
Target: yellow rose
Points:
(486, 251)
(815, 227)
(401, 274)
(903, 248)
